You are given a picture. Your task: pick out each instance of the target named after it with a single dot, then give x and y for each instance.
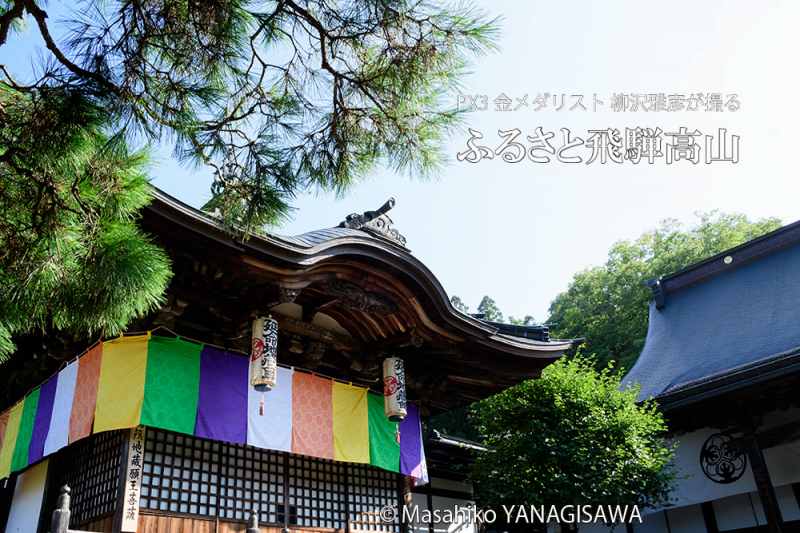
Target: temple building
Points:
(168, 428)
(722, 359)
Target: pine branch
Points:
(7, 19)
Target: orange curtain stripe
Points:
(312, 415)
(3, 423)
(83, 403)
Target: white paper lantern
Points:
(394, 389)
(264, 354)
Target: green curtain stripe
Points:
(384, 450)
(172, 384)
(20, 459)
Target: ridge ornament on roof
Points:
(376, 222)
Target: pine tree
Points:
(72, 257)
(275, 97)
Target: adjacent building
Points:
(722, 358)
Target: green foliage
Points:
(527, 320)
(459, 304)
(571, 437)
(608, 304)
(488, 308)
(71, 254)
(455, 423)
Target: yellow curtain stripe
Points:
(350, 423)
(10, 440)
(120, 389)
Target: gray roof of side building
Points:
(726, 321)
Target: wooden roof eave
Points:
(297, 257)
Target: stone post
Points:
(252, 523)
(60, 523)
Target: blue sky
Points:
(520, 231)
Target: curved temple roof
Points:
(367, 281)
(323, 245)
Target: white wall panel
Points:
(788, 503)
(445, 504)
(26, 504)
(738, 511)
(686, 519)
(652, 523)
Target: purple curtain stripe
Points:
(222, 403)
(41, 424)
(410, 441)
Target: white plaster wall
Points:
(783, 463)
(686, 519)
(600, 528)
(788, 503)
(741, 510)
(652, 523)
(439, 502)
(693, 486)
(419, 501)
(26, 503)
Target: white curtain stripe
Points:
(273, 429)
(58, 433)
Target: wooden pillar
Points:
(766, 491)
(286, 507)
(347, 498)
(429, 502)
(403, 500)
(666, 521)
(709, 517)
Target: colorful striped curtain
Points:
(189, 388)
